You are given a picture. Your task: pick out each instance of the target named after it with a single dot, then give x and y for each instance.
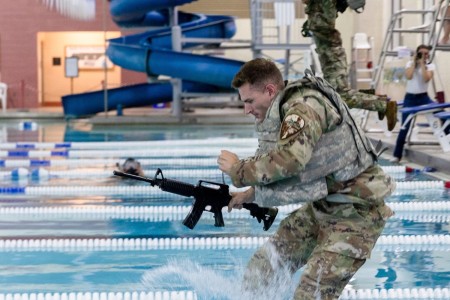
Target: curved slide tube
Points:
(151, 52)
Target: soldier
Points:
(310, 152)
(333, 60)
(131, 166)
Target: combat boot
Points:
(391, 114)
(381, 114)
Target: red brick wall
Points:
(20, 20)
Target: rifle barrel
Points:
(136, 177)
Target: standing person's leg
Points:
(348, 233)
(410, 100)
(426, 100)
(446, 26)
(326, 275)
(333, 60)
(272, 265)
(401, 138)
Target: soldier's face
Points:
(132, 167)
(256, 101)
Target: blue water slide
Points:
(85, 104)
(151, 52)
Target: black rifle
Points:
(206, 198)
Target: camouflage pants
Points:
(333, 60)
(333, 240)
(322, 16)
(360, 100)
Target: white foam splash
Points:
(212, 282)
(206, 282)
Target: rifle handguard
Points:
(265, 214)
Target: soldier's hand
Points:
(238, 199)
(226, 160)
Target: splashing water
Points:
(209, 283)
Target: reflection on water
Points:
(404, 269)
(156, 132)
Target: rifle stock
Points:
(208, 196)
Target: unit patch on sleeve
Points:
(291, 125)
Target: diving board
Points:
(437, 118)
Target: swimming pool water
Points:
(57, 267)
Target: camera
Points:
(419, 55)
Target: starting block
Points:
(444, 139)
(437, 118)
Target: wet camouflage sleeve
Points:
(300, 130)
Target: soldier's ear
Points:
(271, 89)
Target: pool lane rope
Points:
(385, 243)
(44, 173)
(404, 210)
(128, 190)
(392, 294)
(347, 294)
(436, 217)
(132, 295)
(136, 153)
(155, 162)
(91, 162)
(228, 142)
(147, 190)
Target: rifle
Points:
(206, 198)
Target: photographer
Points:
(418, 73)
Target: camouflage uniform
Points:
(332, 235)
(321, 22)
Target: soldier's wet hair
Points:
(131, 166)
(258, 72)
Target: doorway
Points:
(89, 48)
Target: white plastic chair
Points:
(3, 94)
(361, 41)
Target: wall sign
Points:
(71, 67)
(89, 57)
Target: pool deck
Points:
(417, 156)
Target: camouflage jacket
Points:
(317, 143)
